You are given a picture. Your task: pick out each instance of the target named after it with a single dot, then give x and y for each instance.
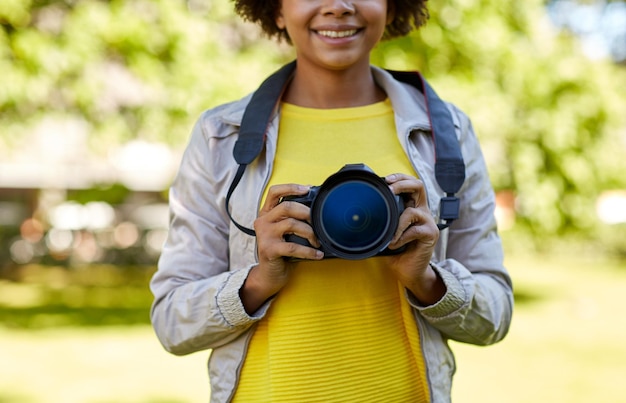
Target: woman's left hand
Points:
(417, 230)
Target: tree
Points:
(551, 122)
(127, 69)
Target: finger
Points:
(287, 238)
(300, 229)
(398, 177)
(415, 224)
(298, 251)
(410, 186)
(277, 192)
(286, 210)
(417, 234)
(288, 218)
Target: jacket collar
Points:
(408, 103)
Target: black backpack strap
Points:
(449, 165)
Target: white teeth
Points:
(337, 34)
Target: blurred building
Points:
(61, 203)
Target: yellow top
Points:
(341, 330)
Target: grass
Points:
(566, 345)
(40, 297)
(96, 365)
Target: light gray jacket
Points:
(206, 258)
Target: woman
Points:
(283, 323)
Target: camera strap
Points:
(449, 165)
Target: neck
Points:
(327, 89)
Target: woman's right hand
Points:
(275, 221)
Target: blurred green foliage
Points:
(112, 194)
(36, 296)
(551, 121)
(129, 69)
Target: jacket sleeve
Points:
(478, 305)
(196, 292)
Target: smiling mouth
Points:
(337, 34)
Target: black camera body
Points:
(354, 214)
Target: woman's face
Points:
(334, 34)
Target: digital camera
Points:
(354, 214)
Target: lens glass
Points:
(354, 216)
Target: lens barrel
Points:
(355, 214)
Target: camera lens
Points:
(355, 215)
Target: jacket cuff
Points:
(452, 301)
(229, 302)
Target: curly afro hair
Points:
(409, 15)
